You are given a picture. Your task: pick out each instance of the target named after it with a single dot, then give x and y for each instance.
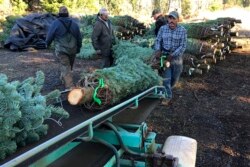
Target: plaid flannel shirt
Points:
(171, 41)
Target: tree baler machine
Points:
(114, 136)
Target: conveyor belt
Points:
(95, 154)
(71, 128)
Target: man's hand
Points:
(157, 54)
(98, 52)
(169, 58)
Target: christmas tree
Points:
(23, 110)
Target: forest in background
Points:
(116, 7)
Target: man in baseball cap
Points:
(160, 20)
(174, 14)
(171, 41)
(173, 19)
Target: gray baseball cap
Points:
(174, 14)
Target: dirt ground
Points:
(213, 108)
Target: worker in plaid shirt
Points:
(171, 41)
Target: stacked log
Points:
(209, 42)
(126, 27)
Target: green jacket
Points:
(103, 37)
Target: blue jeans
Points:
(171, 75)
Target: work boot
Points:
(165, 102)
(68, 81)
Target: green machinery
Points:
(117, 136)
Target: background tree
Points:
(186, 7)
(19, 6)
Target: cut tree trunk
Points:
(79, 96)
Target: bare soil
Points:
(213, 108)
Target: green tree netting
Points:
(122, 47)
(125, 27)
(199, 48)
(87, 51)
(209, 28)
(125, 50)
(122, 80)
(22, 112)
(144, 41)
(199, 30)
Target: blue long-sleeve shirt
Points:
(171, 41)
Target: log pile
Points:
(126, 27)
(208, 42)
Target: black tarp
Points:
(29, 31)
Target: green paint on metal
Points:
(149, 144)
(130, 139)
(130, 126)
(136, 104)
(162, 60)
(90, 133)
(112, 161)
(50, 158)
(129, 163)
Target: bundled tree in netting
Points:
(201, 48)
(125, 50)
(199, 30)
(209, 28)
(88, 20)
(108, 86)
(87, 51)
(144, 41)
(121, 48)
(23, 111)
(130, 26)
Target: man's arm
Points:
(181, 49)
(51, 33)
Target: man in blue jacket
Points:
(68, 40)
